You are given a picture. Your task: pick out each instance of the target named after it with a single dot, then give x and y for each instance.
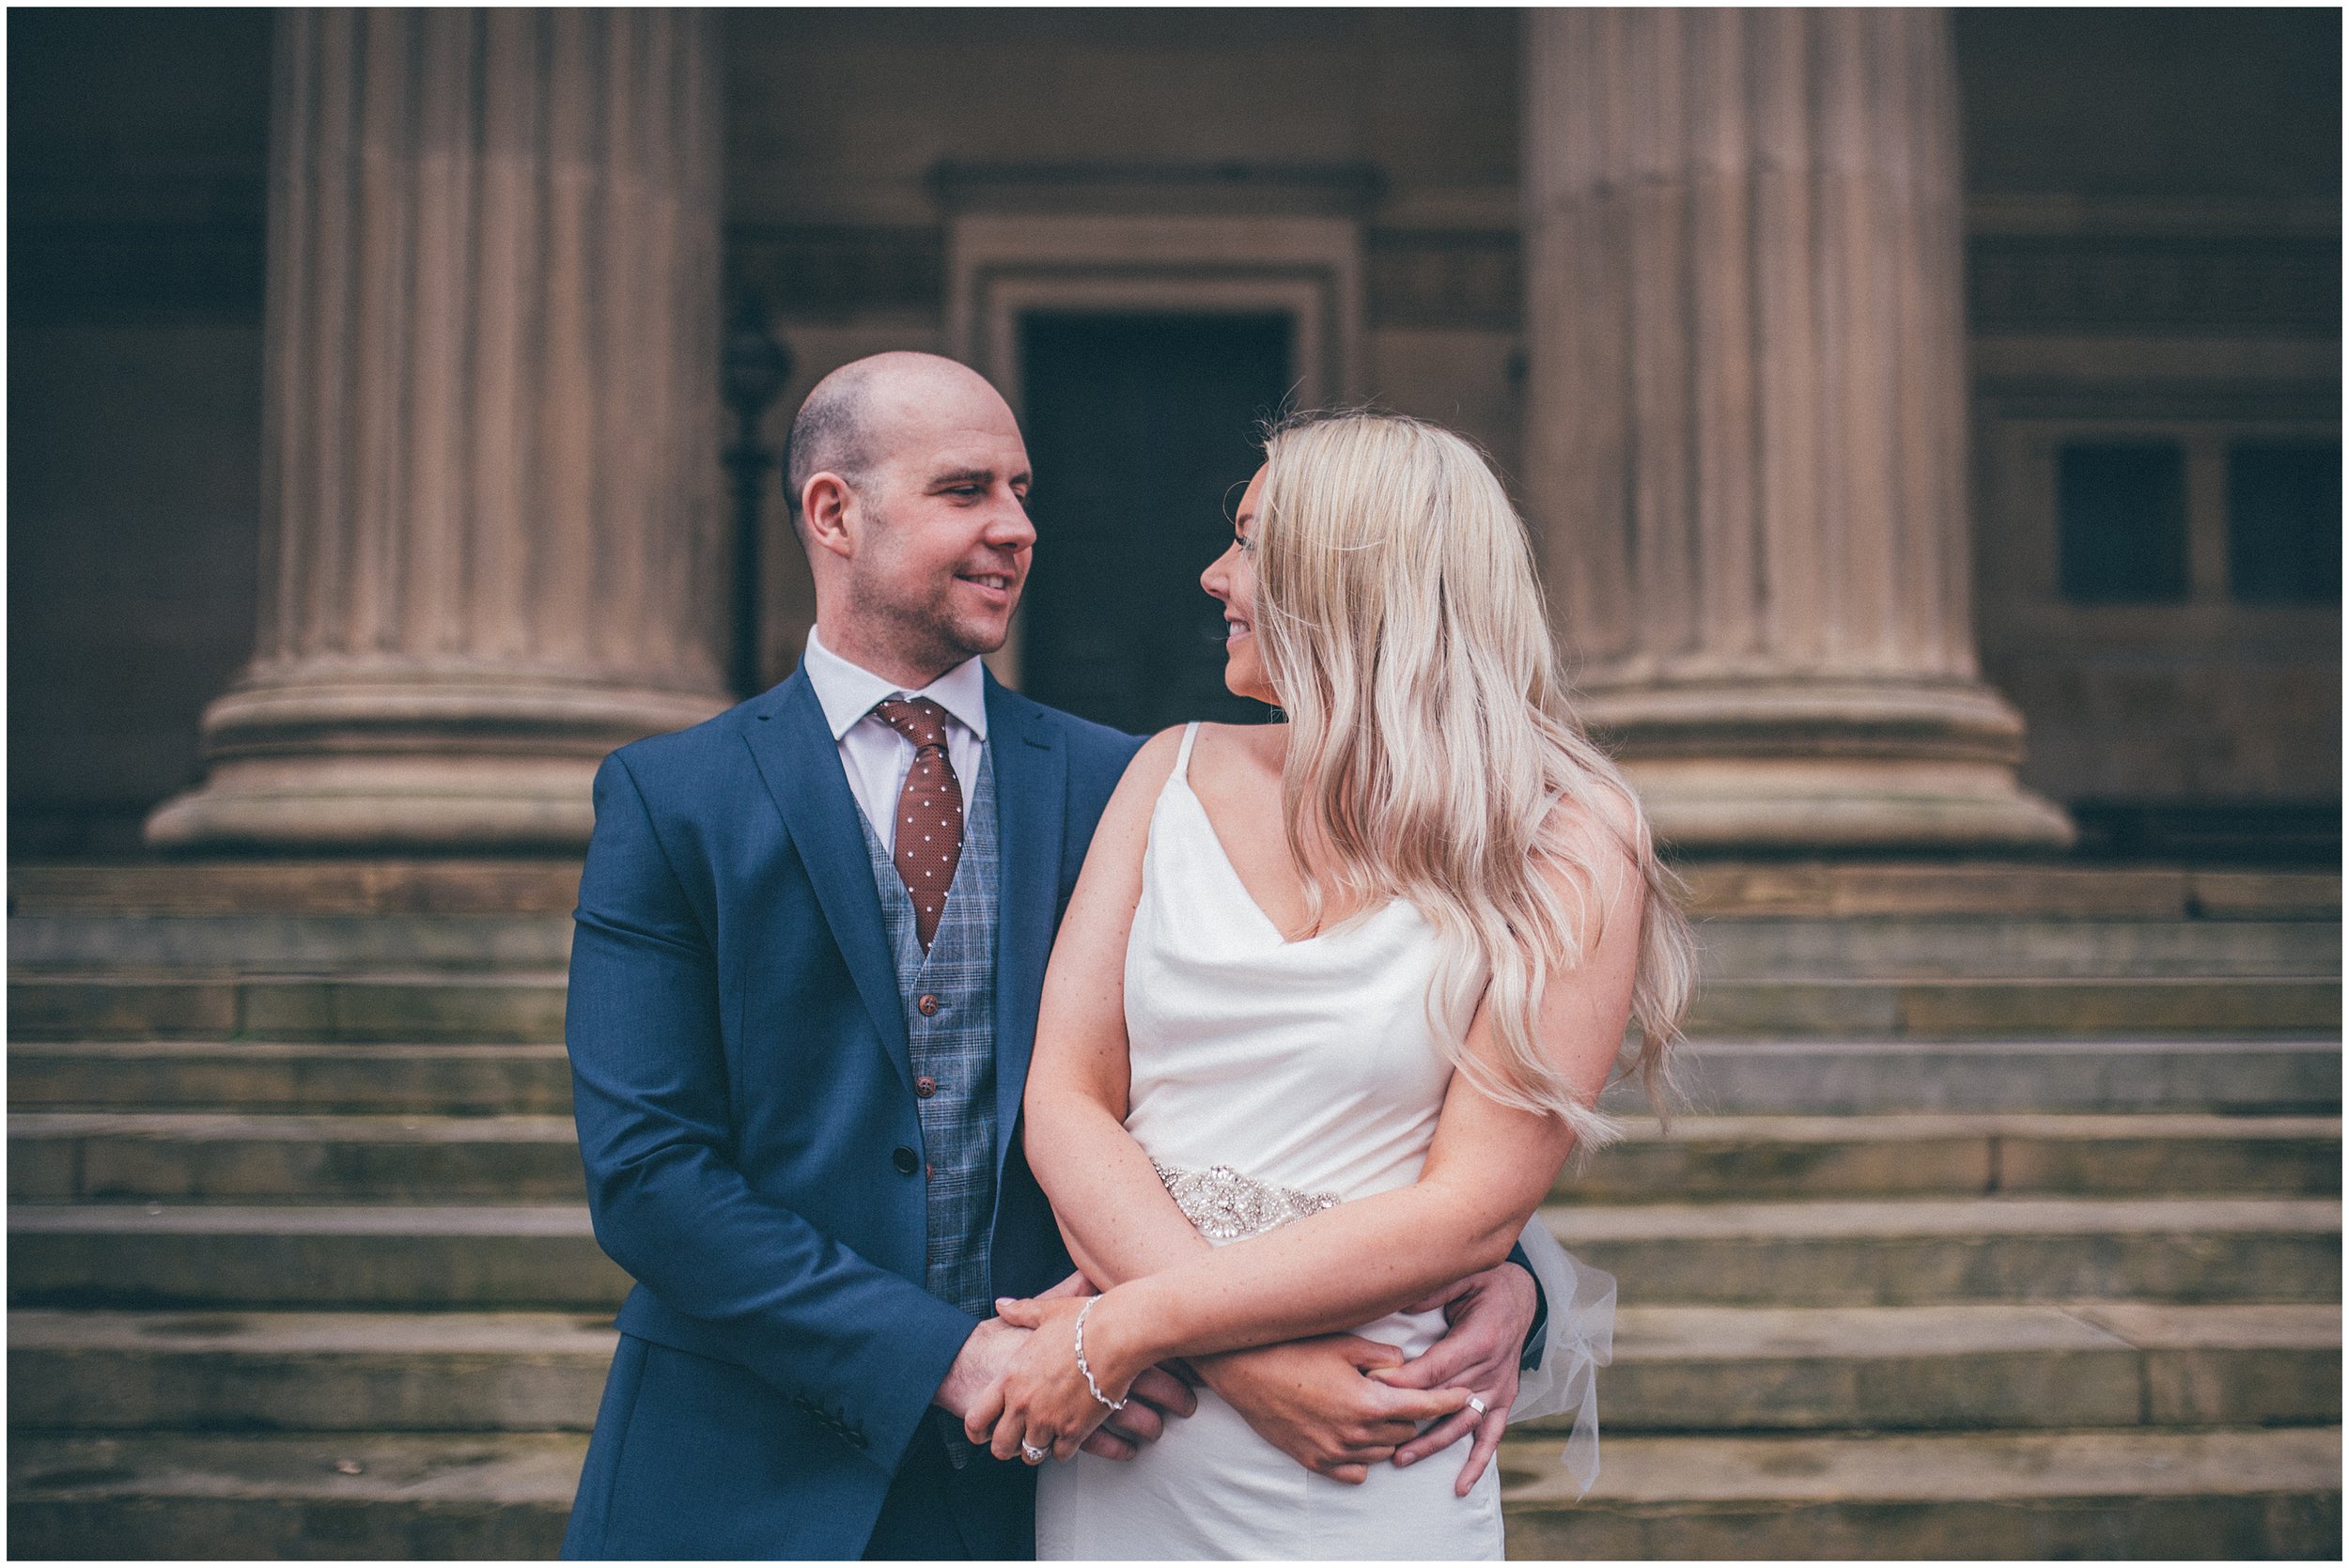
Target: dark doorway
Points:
(1141, 430)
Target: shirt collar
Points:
(846, 691)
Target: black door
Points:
(1142, 432)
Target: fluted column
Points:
(1746, 440)
(490, 512)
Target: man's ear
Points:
(824, 507)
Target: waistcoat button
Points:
(925, 1086)
(928, 1007)
(905, 1160)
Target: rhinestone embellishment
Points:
(1225, 1205)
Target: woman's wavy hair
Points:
(1431, 741)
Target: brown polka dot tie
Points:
(930, 811)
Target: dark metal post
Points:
(755, 369)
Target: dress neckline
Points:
(1180, 778)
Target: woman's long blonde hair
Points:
(1431, 741)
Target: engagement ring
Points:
(1033, 1454)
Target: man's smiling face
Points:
(943, 540)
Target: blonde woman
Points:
(1332, 1003)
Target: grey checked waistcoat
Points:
(953, 1050)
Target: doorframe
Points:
(1001, 267)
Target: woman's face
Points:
(1231, 578)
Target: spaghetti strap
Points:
(1182, 756)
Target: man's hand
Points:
(1310, 1399)
(987, 1353)
(1491, 1314)
(979, 1366)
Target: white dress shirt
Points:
(876, 757)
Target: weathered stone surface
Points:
(490, 525)
(1963, 1008)
(526, 1006)
(438, 1258)
(1724, 1368)
(116, 1008)
(341, 1496)
(308, 1372)
(2236, 1365)
(1937, 1154)
(212, 1157)
(334, 886)
(273, 1076)
(1921, 1252)
(2033, 1073)
(1967, 1496)
(1745, 429)
(289, 944)
(2012, 947)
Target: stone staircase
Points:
(2005, 1222)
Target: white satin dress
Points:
(1270, 1078)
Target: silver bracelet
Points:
(1114, 1404)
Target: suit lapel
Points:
(801, 764)
(1031, 784)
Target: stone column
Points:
(1746, 427)
(492, 531)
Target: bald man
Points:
(812, 935)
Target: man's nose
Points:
(1010, 527)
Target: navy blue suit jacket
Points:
(746, 1114)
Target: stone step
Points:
(1918, 1252)
(1823, 1253)
(1677, 1369)
(2226, 1494)
(406, 1008)
(303, 1372)
(104, 1156)
(451, 1257)
(1765, 1077)
(179, 1156)
(1947, 1009)
(345, 1495)
(2017, 946)
(1718, 887)
(2103, 1364)
(288, 944)
(454, 885)
(1965, 1497)
(528, 1006)
(300, 1078)
(1749, 1077)
(1871, 889)
(1923, 1154)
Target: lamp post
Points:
(753, 371)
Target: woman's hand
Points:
(1490, 1313)
(1042, 1401)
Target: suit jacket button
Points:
(905, 1160)
(928, 1007)
(925, 1086)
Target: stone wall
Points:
(2153, 230)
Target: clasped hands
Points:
(1336, 1403)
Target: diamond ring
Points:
(1478, 1405)
(1033, 1454)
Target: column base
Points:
(468, 764)
(1855, 767)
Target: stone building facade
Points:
(1925, 419)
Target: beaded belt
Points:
(1225, 1205)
